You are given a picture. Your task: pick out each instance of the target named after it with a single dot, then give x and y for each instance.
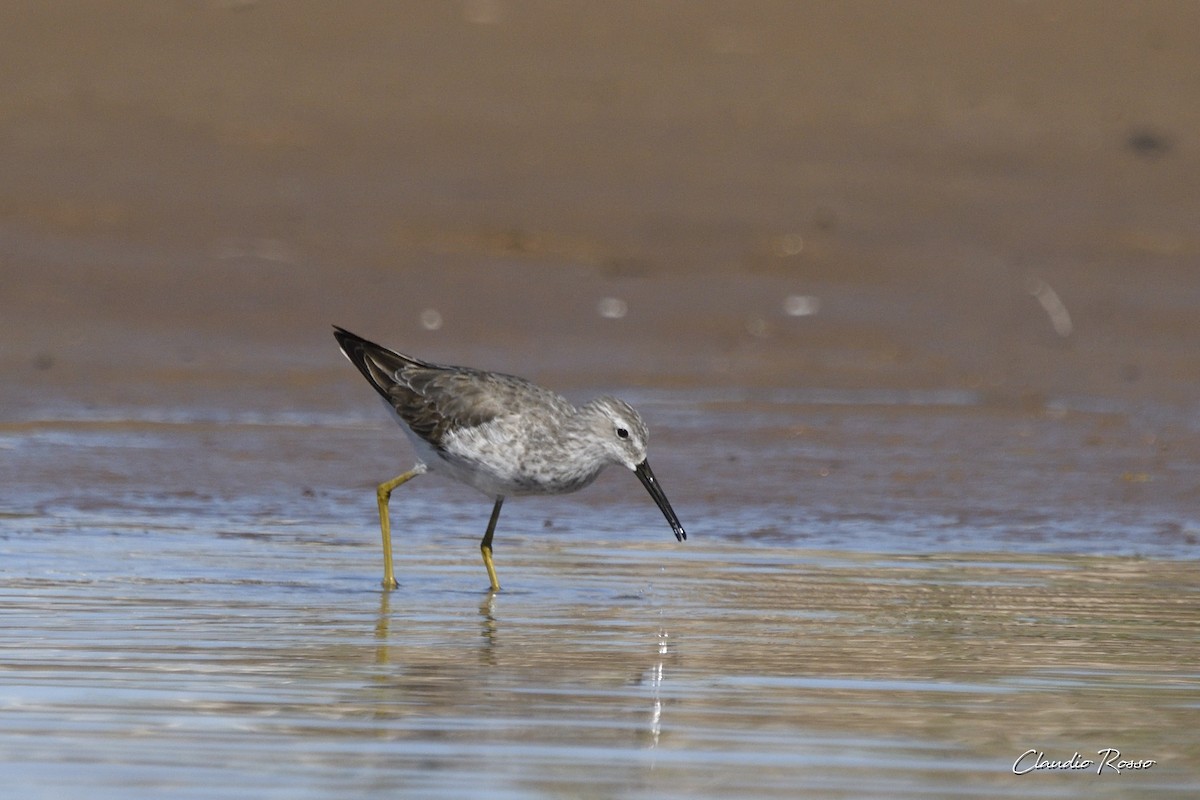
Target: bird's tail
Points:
(379, 365)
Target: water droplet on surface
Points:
(431, 319)
(612, 308)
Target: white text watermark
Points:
(1107, 761)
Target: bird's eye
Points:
(622, 433)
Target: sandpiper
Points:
(500, 434)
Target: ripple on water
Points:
(191, 608)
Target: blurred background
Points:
(991, 197)
(907, 293)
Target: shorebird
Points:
(499, 434)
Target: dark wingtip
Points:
(345, 338)
(357, 349)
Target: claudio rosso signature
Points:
(1108, 760)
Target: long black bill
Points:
(651, 483)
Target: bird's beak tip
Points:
(647, 477)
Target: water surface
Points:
(231, 637)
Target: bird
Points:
(499, 434)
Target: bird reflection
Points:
(487, 612)
(421, 665)
(382, 623)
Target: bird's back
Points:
(435, 401)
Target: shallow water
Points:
(201, 615)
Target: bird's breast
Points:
(510, 460)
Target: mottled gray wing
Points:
(433, 399)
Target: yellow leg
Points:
(485, 546)
(383, 494)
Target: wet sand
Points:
(907, 295)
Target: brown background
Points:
(194, 191)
